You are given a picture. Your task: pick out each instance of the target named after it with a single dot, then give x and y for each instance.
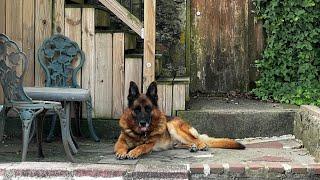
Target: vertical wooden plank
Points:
(103, 86)
(43, 30)
(205, 63)
(2, 16)
(14, 23)
(14, 20)
(88, 46)
(133, 72)
(73, 29)
(165, 98)
(2, 30)
(28, 40)
(179, 96)
(118, 74)
(58, 16)
(149, 43)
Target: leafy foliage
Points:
(290, 65)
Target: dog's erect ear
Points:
(152, 93)
(133, 93)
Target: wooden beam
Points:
(124, 15)
(149, 42)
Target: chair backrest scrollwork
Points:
(13, 65)
(61, 60)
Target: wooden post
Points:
(28, 40)
(58, 16)
(118, 74)
(149, 43)
(43, 30)
(103, 103)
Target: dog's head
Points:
(142, 105)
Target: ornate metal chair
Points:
(13, 64)
(61, 60)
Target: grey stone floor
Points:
(275, 149)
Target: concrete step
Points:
(239, 118)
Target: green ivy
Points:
(290, 65)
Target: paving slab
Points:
(269, 157)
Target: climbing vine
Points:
(290, 65)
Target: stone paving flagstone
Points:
(265, 158)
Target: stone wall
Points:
(307, 128)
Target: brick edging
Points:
(255, 167)
(250, 169)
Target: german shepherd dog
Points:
(144, 128)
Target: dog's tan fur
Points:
(164, 133)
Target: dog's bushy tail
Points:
(224, 143)
(211, 142)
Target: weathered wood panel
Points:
(179, 98)
(149, 43)
(165, 98)
(88, 44)
(133, 72)
(256, 44)
(118, 74)
(103, 86)
(28, 39)
(219, 32)
(58, 16)
(2, 16)
(14, 20)
(43, 30)
(72, 28)
(2, 30)
(14, 24)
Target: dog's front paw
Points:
(133, 154)
(193, 148)
(121, 155)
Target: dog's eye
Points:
(148, 108)
(137, 109)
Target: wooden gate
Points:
(222, 38)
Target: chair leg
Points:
(33, 129)
(2, 122)
(64, 131)
(69, 136)
(50, 136)
(39, 126)
(89, 119)
(73, 138)
(26, 116)
(77, 119)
